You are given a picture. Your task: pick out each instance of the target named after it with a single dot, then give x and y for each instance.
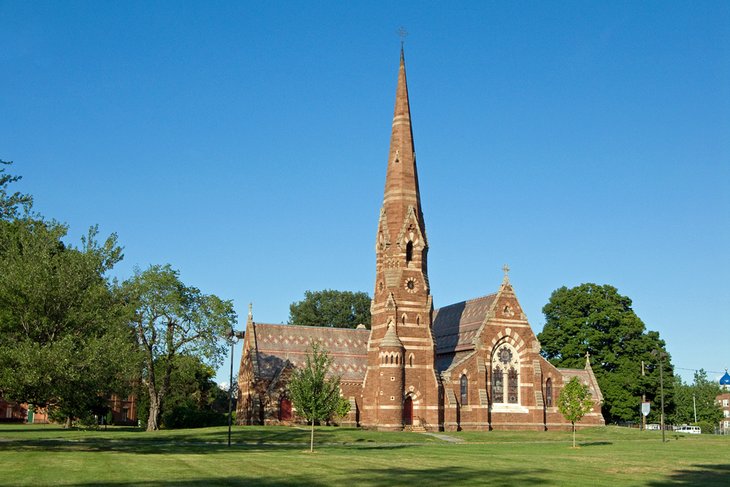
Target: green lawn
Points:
(48, 455)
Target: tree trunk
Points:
(69, 422)
(311, 438)
(573, 434)
(155, 409)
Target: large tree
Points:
(172, 319)
(338, 309)
(64, 343)
(597, 319)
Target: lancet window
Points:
(549, 393)
(464, 385)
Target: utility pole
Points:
(694, 406)
(643, 399)
(659, 354)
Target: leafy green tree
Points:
(574, 402)
(699, 396)
(64, 343)
(11, 203)
(597, 319)
(314, 392)
(172, 319)
(337, 309)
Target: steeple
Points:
(401, 182)
(401, 352)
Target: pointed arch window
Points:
(409, 252)
(497, 385)
(549, 393)
(464, 390)
(512, 386)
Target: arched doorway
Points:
(284, 409)
(408, 411)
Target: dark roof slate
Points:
(279, 344)
(455, 326)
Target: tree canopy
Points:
(171, 319)
(698, 396)
(11, 203)
(65, 343)
(337, 309)
(597, 319)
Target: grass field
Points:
(36, 455)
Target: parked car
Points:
(692, 430)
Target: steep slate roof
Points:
(455, 326)
(277, 344)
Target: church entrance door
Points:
(284, 409)
(408, 411)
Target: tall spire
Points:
(401, 183)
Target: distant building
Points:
(474, 365)
(124, 411)
(723, 400)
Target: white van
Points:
(692, 430)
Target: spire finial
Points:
(402, 33)
(588, 359)
(505, 269)
(250, 310)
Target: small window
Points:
(409, 252)
(464, 390)
(410, 360)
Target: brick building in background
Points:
(470, 365)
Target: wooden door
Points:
(408, 411)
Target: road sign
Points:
(645, 406)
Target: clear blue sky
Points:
(245, 143)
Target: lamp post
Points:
(232, 339)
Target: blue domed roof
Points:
(725, 379)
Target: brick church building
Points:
(473, 365)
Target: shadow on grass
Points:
(701, 475)
(172, 447)
(596, 443)
(373, 477)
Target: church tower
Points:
(401, 388)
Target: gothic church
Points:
(470, 365)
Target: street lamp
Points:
(232, 339)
